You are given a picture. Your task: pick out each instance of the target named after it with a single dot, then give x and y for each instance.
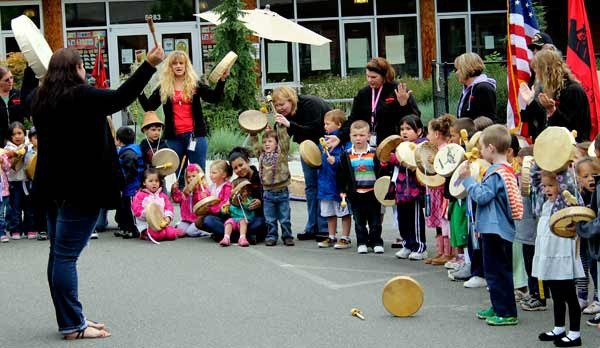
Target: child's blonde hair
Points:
(222, 166)
(498, 136)
(167, 77)
(336, 116)
(359, 125)
(584, 160)
(443, 124)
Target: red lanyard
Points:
(374, 101)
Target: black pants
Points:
(367, 210)
(411, 223)
(124, 216)
(476, 257)
(532, 282)
(564, 293)
(497, 262)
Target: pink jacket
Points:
(187, 203)
(223, 196)
(5, 165)
(144, 197)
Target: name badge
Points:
(373, 140)
(192, 145)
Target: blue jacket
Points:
(132, 166)
(493, 213)
(327, 185)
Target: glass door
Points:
(127, 47)
(452, 37)
(180, 37)
(358, 45)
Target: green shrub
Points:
(222, 140)
(218, 117)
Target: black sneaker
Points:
(594, 321)
(305, 236)
(119, 233)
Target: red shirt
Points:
(182, 114)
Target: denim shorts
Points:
(334, 208)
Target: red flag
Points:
(581, 60)
(522, 26)
(98, 72)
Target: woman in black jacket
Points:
(381, 104)
(179, 91)
(11, 108)
(478, 96)
(562, 101)
(67, 112)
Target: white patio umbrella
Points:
(269, 25)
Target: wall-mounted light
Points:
(361, 1)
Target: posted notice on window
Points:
(357, 52)
(320, 59)
(277, 58)
(394, 49)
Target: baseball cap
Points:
(539, 40)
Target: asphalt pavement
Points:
(193, 293)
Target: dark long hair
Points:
(59, 80)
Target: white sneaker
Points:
(593, 308)
(403, 253)
(475, 282)
(582, 303)
(417, 256)
(378, 249)
(94, 235)
(362, 249)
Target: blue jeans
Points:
(69, 230)
(276, 205)
(315, 222)
(497, 263)
(19, 218)
(215, 224)
(180, 145)
(3, 210)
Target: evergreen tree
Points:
(232, 35)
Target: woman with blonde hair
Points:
(478, 96)
(179, 91)
(303, 115)
(561, 97)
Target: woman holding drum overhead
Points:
(179, 91)
(562, 101)
(67, 111)
(239, 159)
(302, 115)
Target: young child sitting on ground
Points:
(239, 212)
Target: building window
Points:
(87, 43)
(357, 7)
(284, 8)
(488, 5)
(321, 60)
(128, 12)
(207, 40)
(391, 7)
(91, 14)
(317, 8)
(398, 43)
(278, 61)
(452, 6)
(7, 13)
(489, 33)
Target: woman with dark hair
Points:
(67, 112)
(557, 98)
(239, 159)
(11, 108)
(478, 96)
(381, 104)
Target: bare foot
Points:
(96, 325)
(88, 332)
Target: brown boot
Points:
(441, 260)
(429, 260)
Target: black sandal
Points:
(570, 343)
(547, 338)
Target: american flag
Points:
(522, 26)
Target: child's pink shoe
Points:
(31, 235)
(225, 242)
(180, 233)
(243, 242)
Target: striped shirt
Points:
(363, 167)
